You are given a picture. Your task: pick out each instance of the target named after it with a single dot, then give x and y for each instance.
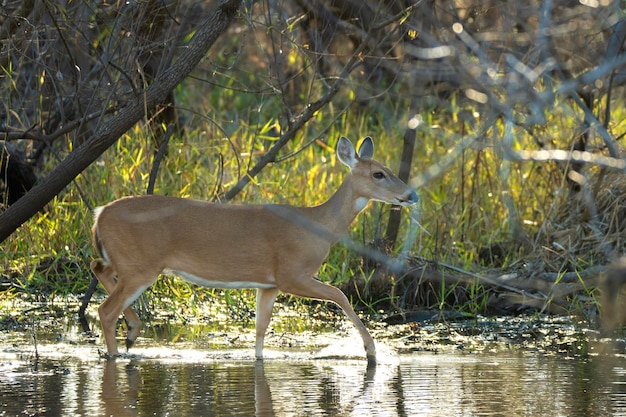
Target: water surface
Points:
(70, 380)
(515, 366)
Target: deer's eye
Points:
(378, 175)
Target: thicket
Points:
(507, 116)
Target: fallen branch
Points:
(422, 283)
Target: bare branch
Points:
(109, 132)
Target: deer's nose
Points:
(410, 199)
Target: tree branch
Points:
(296, 124)
(111, 131)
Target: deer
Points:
(267, 247)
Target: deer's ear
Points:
(346, 152)
(366, 150)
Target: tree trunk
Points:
(393, 226)
(111, 131)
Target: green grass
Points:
(463, 210)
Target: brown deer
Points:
(269, 247)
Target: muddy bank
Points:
(32, 329)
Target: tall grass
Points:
(463, 210)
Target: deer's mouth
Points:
(408, 200)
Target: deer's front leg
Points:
(265, 298)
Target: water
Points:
(489, 367)
(70, 380)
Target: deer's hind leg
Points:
(106, 275)
(309, 287)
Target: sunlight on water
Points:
(190, 382)
(190, 378)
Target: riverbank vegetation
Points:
(516, 154)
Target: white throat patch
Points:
(361, 203)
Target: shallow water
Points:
(516, 366)
(69, 380)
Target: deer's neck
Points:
(340, 210)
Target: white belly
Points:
(220, 284)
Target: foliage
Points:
(484, 102)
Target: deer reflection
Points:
(222, 388)
(120, 399)
(262, 395)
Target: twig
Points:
(571, 276)
(9, 133)
(159, 157)
(296, 124)
(490, 281)
(568, 156)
